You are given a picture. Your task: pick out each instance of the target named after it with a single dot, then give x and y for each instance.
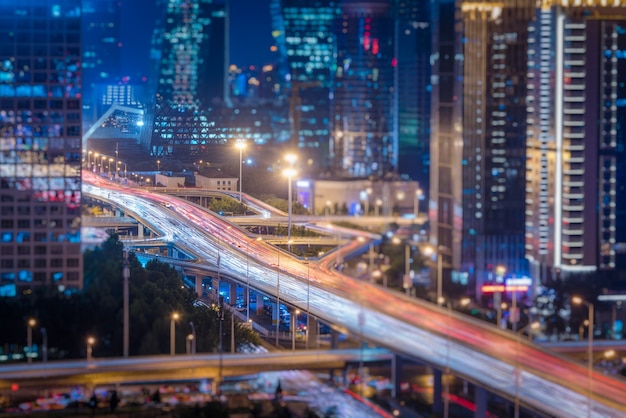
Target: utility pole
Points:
(126, 276)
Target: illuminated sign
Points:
(519, 281)
(502, 288)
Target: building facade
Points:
(304, 35)
(413, 37)
(40, 151)
(363, 116)
(446, 140)
(190, 48)
(101, 54)
(576, 139)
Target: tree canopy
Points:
(156, 291)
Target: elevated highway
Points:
(478, 352)
(181, 367)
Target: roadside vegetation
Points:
(156, 292)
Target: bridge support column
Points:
(334, 339)
(437, 392)
(276, 316)
(480, 399)
(311, 333)
(233, 294)
(259, 304)
(198, 283)
(139, 230)
(396, 375)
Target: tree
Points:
(155, 292)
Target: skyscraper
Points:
(101, 61)
(576, 138)
(494, 136)
(40, 151)
(413, 37)
(363, 124)
(190, 45)
(478, 165)
(446, 141)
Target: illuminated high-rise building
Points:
(101, 60)
(305, 40)
(478, 162)
(576, 138)
(191, 48)
(363, 103)
(494, 136)
(446, 141)
(414, 89)
(40, 145)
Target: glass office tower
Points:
(40, 145)
(190, 46)
(303, 31)
(363, 140)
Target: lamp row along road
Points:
(476, 351)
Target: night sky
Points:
(250, 29)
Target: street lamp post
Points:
(406, 282)
(277, 297)
(44, 345)
(378, 204)
(293, 329)
(416, 205)
(173, 320)
(428, 251)
(531, 327)
(189, 343)
(159, 166)
(126, 276)
(241, 146)
(29, 338)
(290, 172)
(117, 159)
(308, 300)
(220, 313)
(497, 296)
(580, 301)
(90, 342)
(193, 335)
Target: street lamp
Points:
(241, 145)
(428, 251)
(175, 316)
(44, 345)
(126, 310)
(532, 326)
(159, 165)
(406, 282)
(497, 296)
(378, 203)
(29, 338)
(289, 173)
(90, 342)
(193, 339)
(577, 300)
(189, 343)
(416, 205)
